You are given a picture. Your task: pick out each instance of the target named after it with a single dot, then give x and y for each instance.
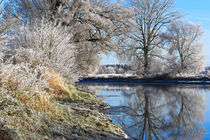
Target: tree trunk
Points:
(146, 61)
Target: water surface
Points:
(158, 112)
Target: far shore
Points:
(135, 80)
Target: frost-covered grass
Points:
(35, 98)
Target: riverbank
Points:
(60, 112)
(136, 80)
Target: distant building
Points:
(206, 72)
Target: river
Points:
(157, 111)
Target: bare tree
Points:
(184, 47)
(143, 42)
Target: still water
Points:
(158, 112)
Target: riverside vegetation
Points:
(49, 110)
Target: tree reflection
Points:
(187, 114)
(163, 113)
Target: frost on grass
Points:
(36, 102)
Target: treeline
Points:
(115, 69)
(69, 36)
(124, 69)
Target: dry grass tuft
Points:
(58, 86)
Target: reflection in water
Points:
(162, 113)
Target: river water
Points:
(157, 111)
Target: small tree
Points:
(184, 49)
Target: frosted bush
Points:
(48, 43)
(22, 76)
(21, 69)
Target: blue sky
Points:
(197, 11)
